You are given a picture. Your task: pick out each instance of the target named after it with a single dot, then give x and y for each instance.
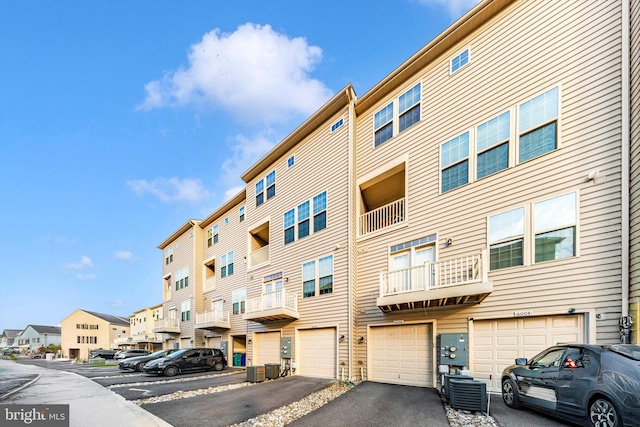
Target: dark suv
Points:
(187, 360)
(105, 354)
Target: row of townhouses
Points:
(478, 204)
(32, 339)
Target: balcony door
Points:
(272, 298)
(406, 273)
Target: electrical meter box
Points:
(453, 349)
(286, 348)
(224, 346)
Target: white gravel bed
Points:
(289, 413)
(175, 380)
(462, 418)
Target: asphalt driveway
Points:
(375, 404)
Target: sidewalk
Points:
(89, 402)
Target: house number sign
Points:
(522, 313)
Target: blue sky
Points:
(121, 120)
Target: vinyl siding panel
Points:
(576, 46)
(321, 164)
(635, 154)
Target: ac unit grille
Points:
(468, 394)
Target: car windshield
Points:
(631, 351)
(178, 353)
(158, 353)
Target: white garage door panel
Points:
(402, 354)
(267, 347)
(497, 343)
(317, 352)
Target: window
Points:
(289, 226)
(460, 61)
(320, 212)
(217, 305)
(300, 218)
(226, 220)
(271, 185)
(291, 161)
(492, 145)
(226, 261)
(238, 298)
(409, 108)
(168, 256)
(317, 277)
(259, 192)
(537, 125)
(182, 278)
(270, 181)
(185, 308)
(303, 220)
(383, 124)
(272, 284)
(553, 223)
(242, 214)
(212, 235)
(337, 125)
(506, 237)
(555, 228)
(455, 162)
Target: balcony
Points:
(168, 326)
(454, 282)
(147, 338)
(259, 256)
(383, 217)
(214, 319)
(278, 305)
(122, 341)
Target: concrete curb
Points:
(19, 388)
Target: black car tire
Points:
(170, 371)
(602, 413)
(510, 393)
(218, 366)
(140, 366)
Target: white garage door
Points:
(214, 342)
(402, 354)
(496, 343)
(317, 352)
(266, 348)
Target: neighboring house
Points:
(8, 336)
(486, 192)
(33, 337)
(142, 323)
(84, 330)
(179, 276)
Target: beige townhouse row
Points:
(478, 204)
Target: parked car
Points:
(105, 354)
(596, 385)
(130, 352)
(138, 362)
(10, 350)
(187, 360)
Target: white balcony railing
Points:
(210, 283)
(167, 324)
(145, 337)
(214, 316)
(259, 256)
(385, 216)
(464, 270)
(271, 300)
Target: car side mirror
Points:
(521, 361)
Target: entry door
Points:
(272, 297)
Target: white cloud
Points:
(117, 303)
(171, 190)
(233, 191)
(454, 8)
(85, 261)
(122, 255)
(245, 151)
(84, 277)
(258, 74)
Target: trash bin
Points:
(255, 374)
(237, 359)
(271, 370)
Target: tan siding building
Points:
(83, 331)
(634, 104)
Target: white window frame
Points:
(451, 70)
(168, 256)
(317, 276)
(224, 264)
(241, 213)
(291, 161)
(337, 125)
(310, 218)
(396, 114)
(185, 307)
(238, 296)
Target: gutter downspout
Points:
(350, 248)
(626, 160)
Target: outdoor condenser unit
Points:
(470, 395)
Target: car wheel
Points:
(140, 366)
(510, 394)
(218, 366)
(602, 413)
(170, 371)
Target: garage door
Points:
(266, 348)
(317, 352)
(401, 354)
(214, 342)
(496, 343)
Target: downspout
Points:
(625, 148)
(350, 248)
